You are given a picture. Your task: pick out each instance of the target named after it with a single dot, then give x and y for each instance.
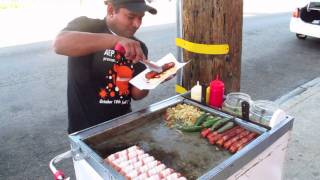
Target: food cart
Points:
(187, 153)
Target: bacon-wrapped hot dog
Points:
(213, 137)
(227, 144)
(165, 67)
(235, 147)
(226, 137)
(152, 74)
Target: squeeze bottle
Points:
(196, 92)
(216, 93)
(118, 47)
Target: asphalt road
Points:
(33, 88)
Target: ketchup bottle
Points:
(216, 93)
(118, 47)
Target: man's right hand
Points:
(133, 50)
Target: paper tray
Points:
(142, 83)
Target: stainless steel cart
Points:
(190, 155)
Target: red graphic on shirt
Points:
(103, 93)
(124, 74)
(115, 89)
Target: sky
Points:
(43, 19)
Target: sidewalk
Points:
(303, 158)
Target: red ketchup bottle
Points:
(118, 47)
(216, 93)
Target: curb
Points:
(299, 90)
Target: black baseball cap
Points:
(133, 5)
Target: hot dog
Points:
(227, 144)
(226, 137)
(152, 74)
(235, 147)
(214, 137)
(165, 67)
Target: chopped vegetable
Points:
(183, 114)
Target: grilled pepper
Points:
(219, 123)
(189, 128)
(210, 121)
(202, 118)
(225, 127)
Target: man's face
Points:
(126, 22)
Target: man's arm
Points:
(74, 43)
(138, 94)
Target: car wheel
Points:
(301, 36)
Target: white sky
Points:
(45, 18)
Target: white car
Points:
(305, 20)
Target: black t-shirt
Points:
(98, 87)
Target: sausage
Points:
(235, 147)
(226, 137)
(213, 137)
(205, 132)
(167, 66)
(153, 74)
(228, 143)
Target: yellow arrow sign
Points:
(202, 48)
(180, 89)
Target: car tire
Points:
(301, 36)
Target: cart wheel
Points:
(301, 36)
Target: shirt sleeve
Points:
(84, 24)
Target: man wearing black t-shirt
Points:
(98, 77)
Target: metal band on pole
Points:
(179, 4)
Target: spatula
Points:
(149, 64)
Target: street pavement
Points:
(302, 161)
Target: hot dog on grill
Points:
(227, 144)
(235, 147)
(213, 137)
(226, 137)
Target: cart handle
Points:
(58, 174)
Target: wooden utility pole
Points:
(213, 22)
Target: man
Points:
(98, 77)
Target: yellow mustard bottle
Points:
(207, 95)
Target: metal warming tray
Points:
(187, 153)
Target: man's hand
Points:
(133, 50)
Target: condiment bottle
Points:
(208, 95)
(196, 92)
(118, 47)
(216, 93)
(204, 93)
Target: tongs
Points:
(152, 66)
